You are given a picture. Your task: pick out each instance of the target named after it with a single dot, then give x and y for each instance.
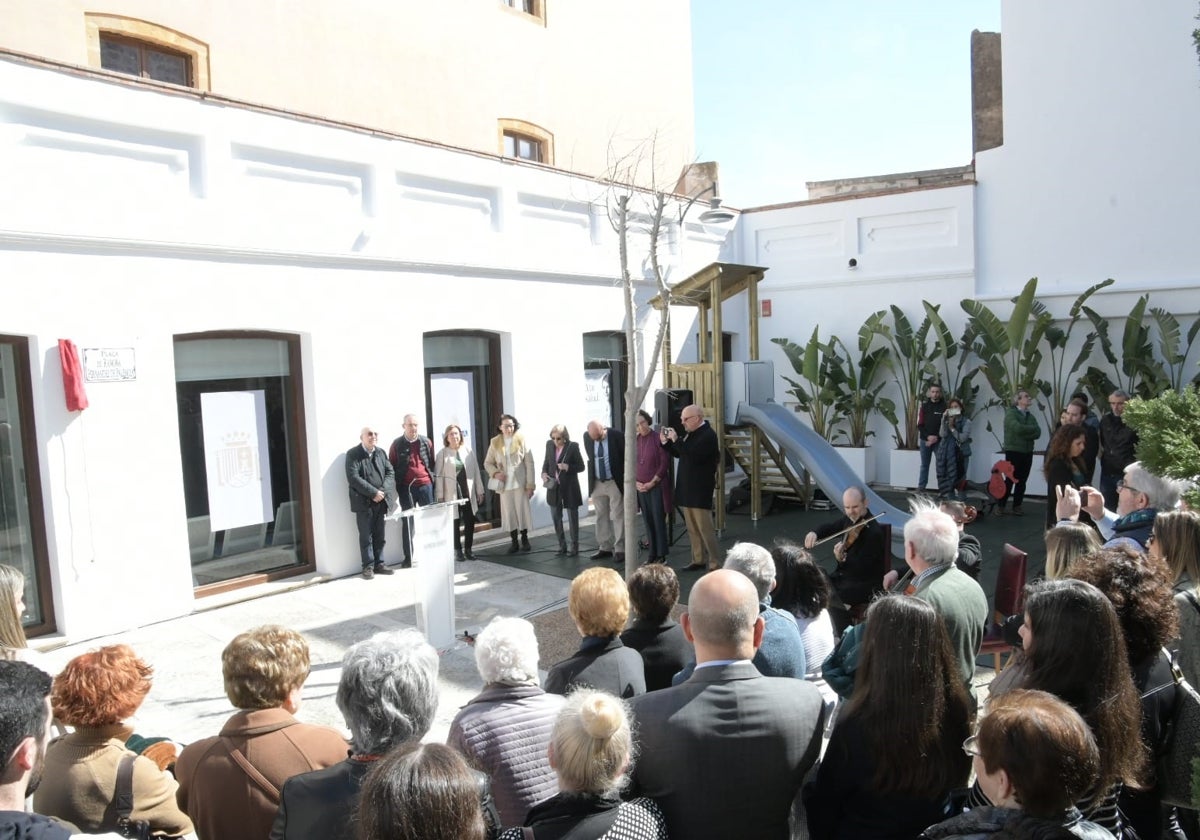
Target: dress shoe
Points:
(470, 555)
(562, 551)
(619, 558)
(693, 567)
(574, 552)
(458, 556)
(383, 570)
(601, 554)
(407, 564)
(368, 573)
(1018, 512)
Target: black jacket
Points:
(605, 664)
(367, 474)
(18, 825)
(569, 494)
(615, 444)
(320, 803)
(699, 454)
(1117, 444)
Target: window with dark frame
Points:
(145, 60)
(529, 7)
(524, 147)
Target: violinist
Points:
(860, 555)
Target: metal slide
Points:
(807, 450)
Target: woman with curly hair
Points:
(802, 589)
(896, 749)
(1064, 465)
(1140, 591)
(96, 693)
(1076, 651)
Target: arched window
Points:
(526, 141)
(146, 50)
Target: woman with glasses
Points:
(653, 487)
(1075, 650)
(895, 754)
(509, 465)
(458, 478)
(1034, 757)
(560, 473)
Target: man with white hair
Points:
(388, 694)
(930, 549)
(505, 729)
(1140, 496)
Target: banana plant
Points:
(1057, 339)
(1137, 370)
(858, 382)
(1009, 350)
(911, 360)
(955, 382)
(815, 390)
(1173, 349)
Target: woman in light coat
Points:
(509, 465)
(458, 478)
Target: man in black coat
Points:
(862, 555)
(929, 428)
(605, 449)
(699, 455)
(372, 483)
(1118, 443)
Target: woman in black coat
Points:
(560, 474)
(1064, 466)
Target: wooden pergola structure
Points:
(706, 290)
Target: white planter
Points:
(860, 459)
(906, 468)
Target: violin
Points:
(905, 586)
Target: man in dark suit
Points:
(724, 753)
(699, 453)
(606, 483)
(372, 484)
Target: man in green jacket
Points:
(1021, 431)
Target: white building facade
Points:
(192, 251)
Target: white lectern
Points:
(433, 564)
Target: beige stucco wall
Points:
(594, 75)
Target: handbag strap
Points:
(1191, 596)
(123, 797)
(252, 771)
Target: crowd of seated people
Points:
(658, 728)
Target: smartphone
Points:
(1083, 497)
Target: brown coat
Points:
(81, 778)
(218, 793)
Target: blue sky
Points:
(789, 91)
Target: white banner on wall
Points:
(597, 396)
(236, 458)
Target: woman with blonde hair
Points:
(509, 465)
(560, 473)
(458, 478)
(599, 604)
(591, 750)
(1067, 543)
(13, 644)
(1175, 538)
(96, 693)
